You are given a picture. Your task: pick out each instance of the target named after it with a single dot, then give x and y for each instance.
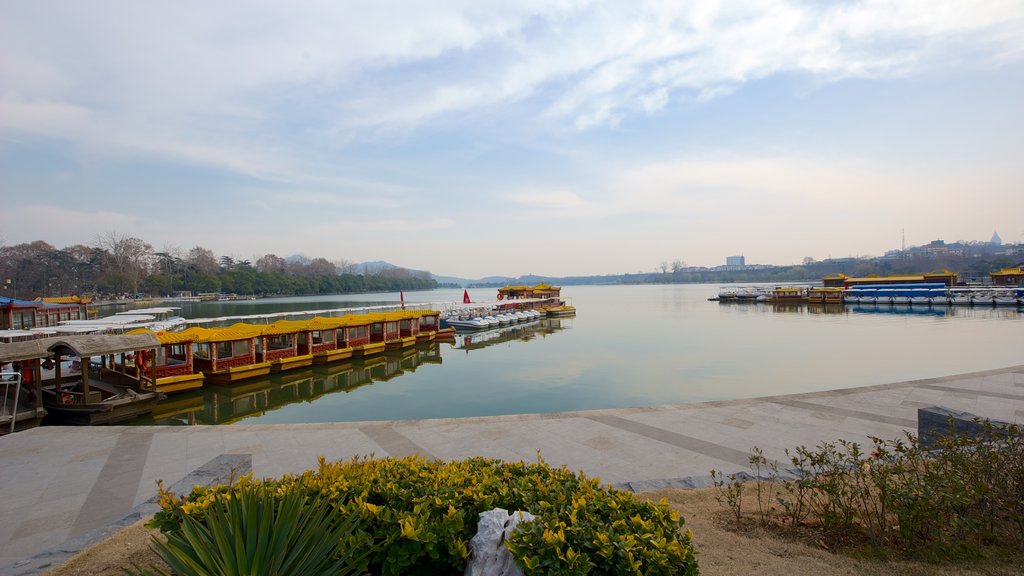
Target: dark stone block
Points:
(937, 422)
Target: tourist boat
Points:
(961, 297)
(862, 295)
(983, 299)
(227, 355)
(98, 395)
(379, 331)
(1007, 297)
(172, 370)
(821, 295)
(942, 297)
(408, 325)
(21, 379)
(430, 325)
(783, 294)
(900, 296)
(278, 344)
(921, 297)
(561, 311)
(323, 339)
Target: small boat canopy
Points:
(25, 350)
(87, 346)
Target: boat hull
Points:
(400, 343)
(181, 383)
(290, 363)
(108, 412)
(328, 356)
(368, 349)
(25, 419)
(237, 373)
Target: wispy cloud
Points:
(226, 84)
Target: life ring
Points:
(66, 398)
(501, 295)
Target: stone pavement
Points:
(61, 484)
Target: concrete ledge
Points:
(220, 470)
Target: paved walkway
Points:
(60, 483)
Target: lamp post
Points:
(12, 287)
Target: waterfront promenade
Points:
(61, 484)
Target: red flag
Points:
(401, 297)
(465, 296)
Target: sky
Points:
(485, 138)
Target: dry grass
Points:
(721, 550)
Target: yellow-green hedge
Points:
(420, 515)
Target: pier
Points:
(62, 487)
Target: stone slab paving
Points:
(61, 484)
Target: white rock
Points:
(489, 557)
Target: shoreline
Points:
(62, 483)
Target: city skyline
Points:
(573, 139)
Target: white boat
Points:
(1005, 298)
(468, 323)
(921, 297)
(983, 299)
(961, 297)
(942, 300)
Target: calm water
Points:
(628, 346)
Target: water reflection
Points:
(520, 332)
(231, 403)
(803, 308)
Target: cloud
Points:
(237, 83)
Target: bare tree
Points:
(271, 264)
(321, 267)
(346, 266)
(131, 257)
(202, 260)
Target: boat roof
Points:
(101, 344)
(155, 310)
(82, 346)
(116, 319)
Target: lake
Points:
(628, 346)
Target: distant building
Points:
(996, 240)
(735, 261)
(1008, 277)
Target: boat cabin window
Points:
(280, 342)
(321, 336)
(232, 349)
(177, 351)
(201, 350)
(357, 332)
(391, 327)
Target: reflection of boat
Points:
(983, 299)
(901, 310)
(1008, 297)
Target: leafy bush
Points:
(962, 496)
(417, 516)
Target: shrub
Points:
(962, 496)
(254, 529)
(417, 516)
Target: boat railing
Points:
(11, 379)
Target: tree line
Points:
(118, 265)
